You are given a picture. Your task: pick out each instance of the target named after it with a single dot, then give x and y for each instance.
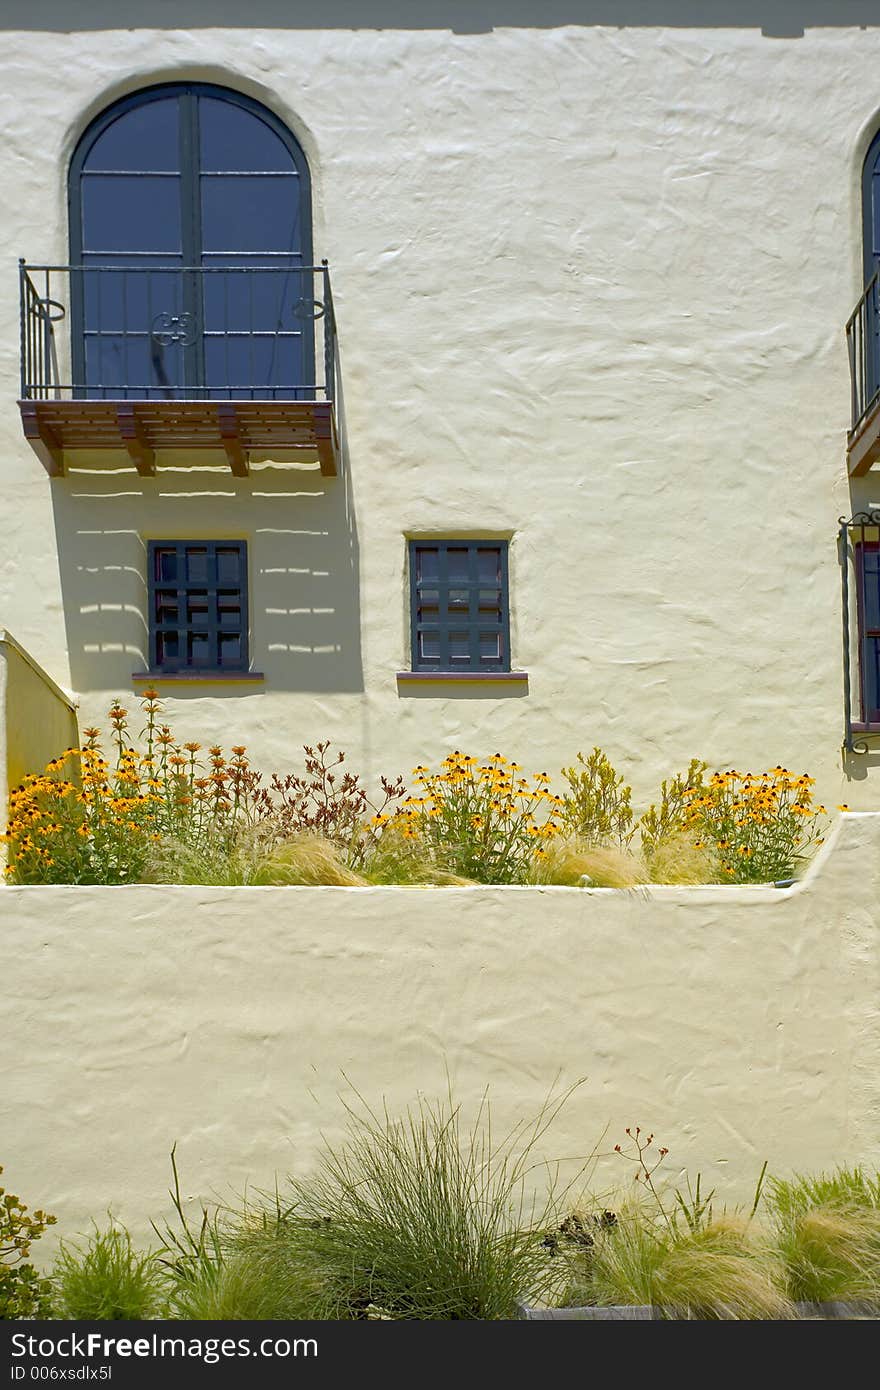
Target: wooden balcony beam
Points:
(325, 437)
(135, 441)
(42, 440)
(227, 420)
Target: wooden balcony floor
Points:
(138, 428)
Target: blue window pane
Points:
(133, 299)
(871, 572)
(228, 565)
(271, 364)
(167, 647)
(198, 647)
(146, 137)
(490, 646)
(229, 615)
(165, 562)
(232, 138)
(247, 299)
(197, 610)
(196, 566)
(489, 565)
(871, 656)
(457, 564)
(429, 646)
(250, 214)
(166, 608)
(133, 366)
(135, 212)
(427, 563)
(230, 648)
(459, 646)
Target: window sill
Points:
(203, 677)
(456, 677)
(860, 727)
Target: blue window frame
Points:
(459, 605)
(190, 234)
(867, 566)
(198, 618)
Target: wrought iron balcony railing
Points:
(146, 356)
(863, 343)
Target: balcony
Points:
(130, 360)
(863, 342)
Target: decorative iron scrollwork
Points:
(173, 328)
(44, 308)
(308, 309)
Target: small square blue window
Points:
(459, 606)
(198, 606)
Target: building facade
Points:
(443, 380)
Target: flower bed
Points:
(156, 810)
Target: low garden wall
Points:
(737, 1023)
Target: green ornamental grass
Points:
(107, 1279)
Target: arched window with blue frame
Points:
(866, 343)
(190, 234)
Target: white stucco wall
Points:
(591, 285)
(736, 1023)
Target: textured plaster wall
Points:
(737, 1023)
(591, 284)
(37, 719)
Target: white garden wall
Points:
(737, 1023)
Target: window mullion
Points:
(191, 234)
(473, 593)
(443, 607)
(182, 608)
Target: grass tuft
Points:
(828, 1232)
(306, 860)
(107, 1280)
(677, 859)
(249, 860)
(721, 1269)
(394, 859)
(417, 1218)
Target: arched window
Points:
(871, 208)
(190, 217)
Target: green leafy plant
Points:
(107, 1279)
(23, 1292)
(669, 818)
(597, 808)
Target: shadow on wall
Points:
(783, 18)
(302, 559)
